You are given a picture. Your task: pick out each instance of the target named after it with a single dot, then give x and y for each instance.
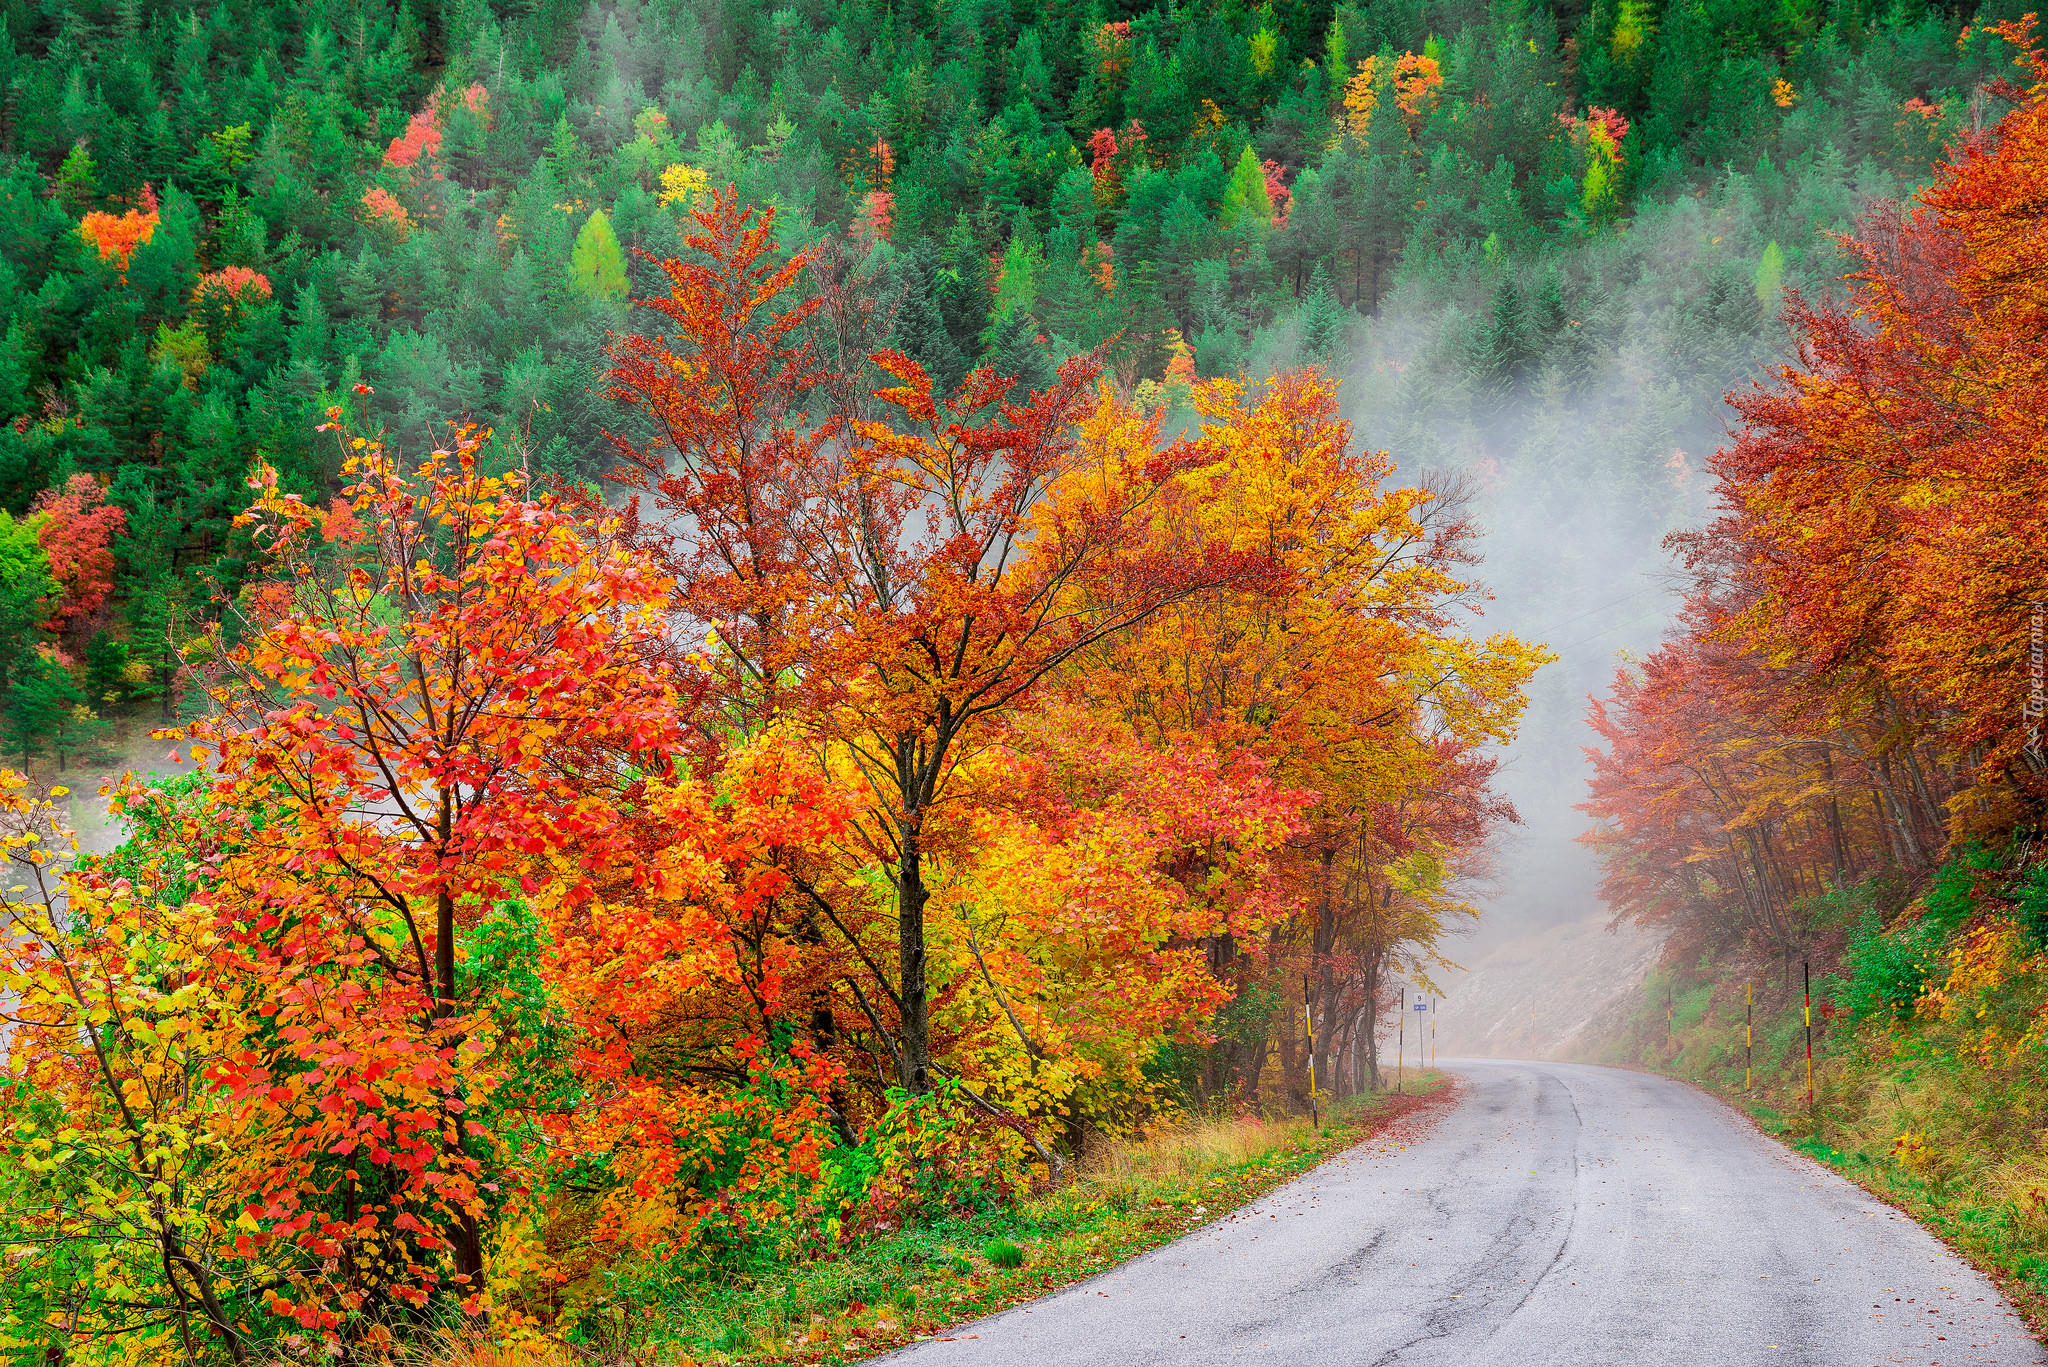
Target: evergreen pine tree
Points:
(1219, 330)
(1320, 325)
(595, 263)
(155, 613)
(106, 669)
(76, 186)
(1018, 354)
(1245, 197)
(1770, 274)
(14, 370)
(47, 713)
(165, 268)
(919, 327)
(1500, 340)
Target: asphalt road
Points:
(1556, 1214)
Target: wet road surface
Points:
(1555, 1214)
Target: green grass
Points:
(915, 1282)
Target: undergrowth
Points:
(894, 1287)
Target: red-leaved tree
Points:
(76, 527)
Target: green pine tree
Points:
(154, 614)
(1018, 354)
(1219, 332)
(1500, 345)
(1245, 197)
(47, 713)
(919, 328)
(1770, 273)
(1016, 291)
(76, 185)
(596, 263)
(106, 669)
(1320, 325)
(14, 374)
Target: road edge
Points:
(2030, 1305)
(1399, 1111)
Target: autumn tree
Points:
(413, 718)
(76, 528)
(1843, 694)
(744, 456)
(1075, 942)
(117, 1197)
(902, 560)
(1881, 482)
(1355, 685)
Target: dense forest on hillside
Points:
(784, 622)
(217, 222)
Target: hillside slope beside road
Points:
(1553, 993)
(1556, 1214)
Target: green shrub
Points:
(2031, 893)
(1002, 1253)
(1836, 907)
(1884, 973)
(1949, 901)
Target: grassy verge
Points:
(888, 1292)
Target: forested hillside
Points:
(1540, 244)
(218, 221)
(786, 622)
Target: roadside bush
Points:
(2031, 898)
(1884, 973)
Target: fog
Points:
(1587, 443)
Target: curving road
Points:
(1556, 1214)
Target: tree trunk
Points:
(1325, 942)
(444, 951)
(1838, 841)
(914, 1067)
(1291, 1071)
(1254, 1069)
(1372, 1022)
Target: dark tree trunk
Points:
(914, 1066)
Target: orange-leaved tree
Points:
(896, 564)
(1073, 944)
(744, 458)
(1848, 688)
(417, 729)
(1357, 686)
(1887, 486)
